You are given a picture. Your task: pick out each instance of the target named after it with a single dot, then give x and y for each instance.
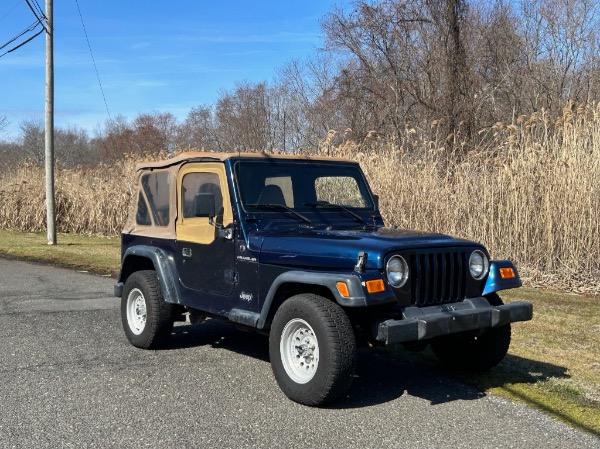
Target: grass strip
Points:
(100, 255)
(554, 360)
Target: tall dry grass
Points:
(88, 201)
(531, 193)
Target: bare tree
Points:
(154, 132)
(198, 130)
(11, 154)
(3, 123)
(494, 49)
(388, 65)
(114, 140)
(377, 37)
(561, 43)
(244, 119)
(407, 63)
(146, 134)
(32, 138)
(73, 148)
(311, 100)
(449, 18)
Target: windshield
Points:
(301, 185)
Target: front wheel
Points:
(475, 351)
(147, 319)
(312, 349)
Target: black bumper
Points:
(422, 323)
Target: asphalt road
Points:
(69, 378)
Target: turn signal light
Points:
(343, 289)
(507, 273)
(375, 285)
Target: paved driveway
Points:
(69, 378)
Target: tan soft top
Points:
(172, 166)
(183, 157)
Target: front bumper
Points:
(422, 323)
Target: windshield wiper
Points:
(279, 206)
(329, 205)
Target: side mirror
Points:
(204, 205)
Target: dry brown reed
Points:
(88, 200)
(531, 193)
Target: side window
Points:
(342, 190)
(156, 187)
(195, 183)
(142, 217)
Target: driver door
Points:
(205, 261)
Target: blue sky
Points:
(151, 55)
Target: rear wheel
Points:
(475, 351)
(312, 349)
(147, 319)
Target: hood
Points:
(338, 249)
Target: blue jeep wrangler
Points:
(295, 247)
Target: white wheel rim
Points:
(299, 350)
(136, 311)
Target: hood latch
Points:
(361, 261)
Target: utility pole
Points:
(49, 141)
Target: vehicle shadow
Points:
(220, 335)
(386, 374)
(382, 374)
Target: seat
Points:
(271, 194)
(213, 188)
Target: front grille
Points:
(438, 278)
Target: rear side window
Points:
(142, 217)
(156, 186)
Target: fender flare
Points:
(327, 280)
(495, 282)
(163, 263)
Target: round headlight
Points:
(478, 264)
(397, 271)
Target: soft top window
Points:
(198, 183)
(142, 217)
(156, 186)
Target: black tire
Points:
(147, 319)
(302, 322)
(474, 351)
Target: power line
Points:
(38, 15)
(93, 60)
(22, 43)
(29, 29)
(40, 11)
(11, 10)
